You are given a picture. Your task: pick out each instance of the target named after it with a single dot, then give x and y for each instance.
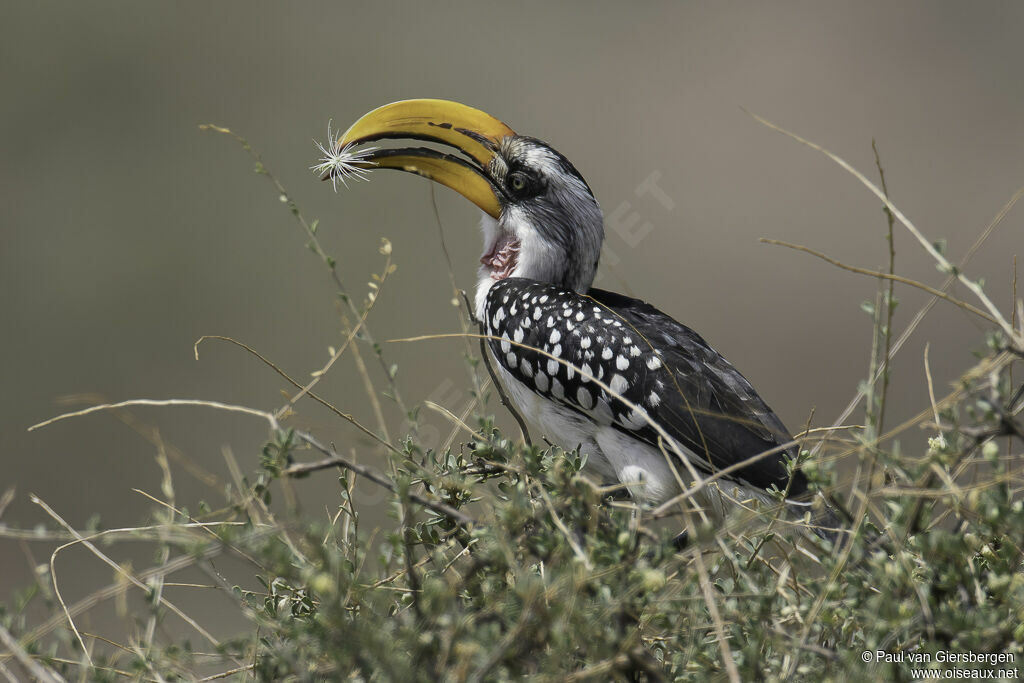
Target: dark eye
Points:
(520, 183)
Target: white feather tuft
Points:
(342, 163)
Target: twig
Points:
(150, 433)
(576, 549)
(335, 460)
(490, 370)
(117, 588)
(230, 672)
(157, 586)
(459, 422)
(943, 262)
(874, 370)
(345, 416)
(160, 402)
(371, 390)
(889, 309)
(204, 526)
(931, 385)
(885, 276)
(7, 673)
(501, 392)
(31, 665)
(507, 642)
(357, 355)
(923, 312)
(467, 319)
(709, 599)
(5, 500)
(117, 568)
(830, 583)
(314, 244)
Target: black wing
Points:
(715, 411)
(654, 362)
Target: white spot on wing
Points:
(635, 420)
(584, 398)
(621, 362)
(653, 363)
(603, 412)
(541, 381)
(618, 384)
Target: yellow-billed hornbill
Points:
(595, 369)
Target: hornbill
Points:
(649, 401)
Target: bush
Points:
(503, 560)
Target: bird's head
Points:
(542, 221)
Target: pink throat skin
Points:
(502, 257)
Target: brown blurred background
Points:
(128, 233)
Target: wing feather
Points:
(653, 361)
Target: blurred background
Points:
(127, 232)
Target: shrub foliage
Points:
(503, 560)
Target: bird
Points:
(653, 406)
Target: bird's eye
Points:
(519, 183)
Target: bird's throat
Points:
(502, 257)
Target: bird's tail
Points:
(829, 520)
(822, 516)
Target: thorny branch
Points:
(335, 460)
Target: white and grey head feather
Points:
(561, 229)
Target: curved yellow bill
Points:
(475, 133)
(445, 169)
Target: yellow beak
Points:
(471, 131)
